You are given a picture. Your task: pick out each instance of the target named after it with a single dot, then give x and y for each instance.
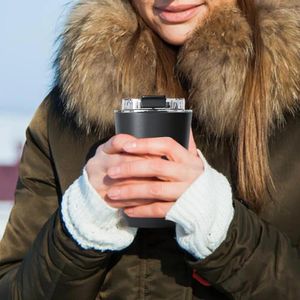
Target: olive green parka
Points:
(260, 257)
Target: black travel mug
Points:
(154, 116)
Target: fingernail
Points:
(129, 146)
(113, 193)
(114, 171)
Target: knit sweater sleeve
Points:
(90, 221)
(203, 213)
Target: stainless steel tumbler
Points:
(154, 116)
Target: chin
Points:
(176, 36)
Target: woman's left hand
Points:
(168, 179)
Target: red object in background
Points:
(8, 181)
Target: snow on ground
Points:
(5, 208)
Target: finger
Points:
(156, 167)
(163, 146)
(153, 210)
(98, 165)
(102, 185)
(166, 191)
(109, 182)
(115, 143)
(117, 159)
(127, 203)
(192, 145)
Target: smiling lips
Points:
(177, 14)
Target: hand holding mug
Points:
(132, 174)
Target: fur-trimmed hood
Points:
(214, 61)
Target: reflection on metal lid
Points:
(135, 104)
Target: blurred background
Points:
(28, 31)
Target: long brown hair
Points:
(254, 180)
(254, 174)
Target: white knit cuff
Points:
(203, 213)
(91, 222)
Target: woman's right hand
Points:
(108, 155)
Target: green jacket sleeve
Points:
(256, 261)
(38, 260)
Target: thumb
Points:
(192, 145)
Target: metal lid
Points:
(147, 103)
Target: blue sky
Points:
(28, 30)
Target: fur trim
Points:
(96, 37)
(214, 62)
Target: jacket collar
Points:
(214, 62)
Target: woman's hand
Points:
(108, 155)
(169, 178)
